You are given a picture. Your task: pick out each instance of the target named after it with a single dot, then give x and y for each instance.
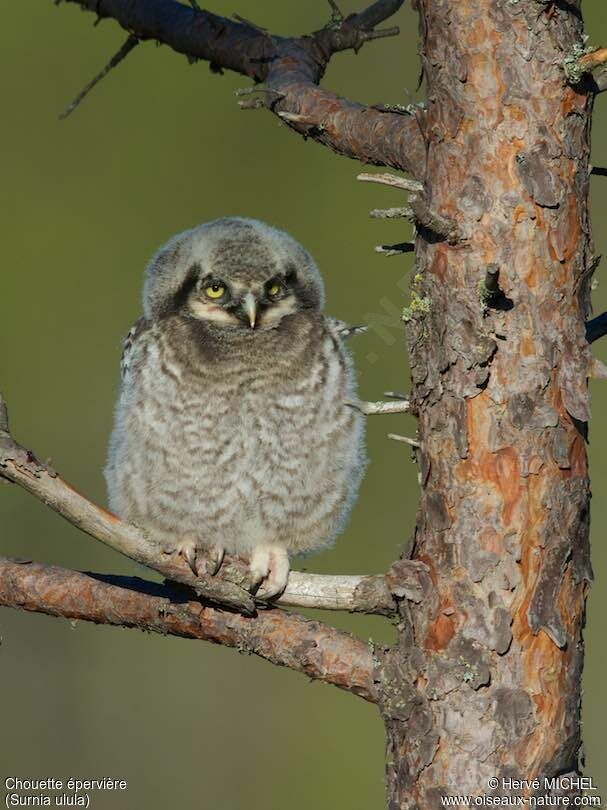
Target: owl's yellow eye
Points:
(215, 291)
(273, 289)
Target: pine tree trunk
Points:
(499, 383)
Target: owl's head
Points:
(232, 272)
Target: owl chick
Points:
(232, 431)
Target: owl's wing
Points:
(135, 332)
(343, 330)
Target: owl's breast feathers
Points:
(241, 436)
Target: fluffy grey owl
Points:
(232, 431)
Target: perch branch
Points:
(319, 651)
(291, 69)
(366, 594)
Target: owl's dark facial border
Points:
(307, 295)
(181, 297)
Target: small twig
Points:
(405, 439)
(253, 25)
(592, 60)
(251, 104)
(336, 14)
(395, 250)
(393, 180)
(370, 408)
(600, 81)
(396, 395)
(257, 103)
(492, 280)
(195, 5)
(259, 28)
(3, 415)
(380, 33)
(116, 59)
(599, 170)
(596, 328)
(257, 88)
(391, 213)
(399, 109)
(352, 331)
(299, 120)
(597, 370)
(433, 221)
(246, 91)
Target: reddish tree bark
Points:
(500, 389)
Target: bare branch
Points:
(3, 416)
(251, 104)
(376, 13)
(228, 588)
(600, 81)
(405, 439)
(370, 408)
(393, 180)
(351, 331)
(391, 213)
(395, 250)
(592, 60)
(289, 640)
(290, 67)
(597, 370)
(116, 59)
(596, 328)
(432, 221)
(491, 282)
(336, 14)
(577, 63)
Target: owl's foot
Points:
(187, 549)
(214, 558)
(269, 566)
(209, 563)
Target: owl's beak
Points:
(249, 305)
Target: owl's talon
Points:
(187, 550)
(190, 557)
(214, 559)
(270, 566)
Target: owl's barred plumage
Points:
(232, 430)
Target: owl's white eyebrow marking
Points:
(211, 312)
(277, 312)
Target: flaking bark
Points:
(500, 388)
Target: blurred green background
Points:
(158, 147)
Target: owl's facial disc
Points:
(244, 304)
